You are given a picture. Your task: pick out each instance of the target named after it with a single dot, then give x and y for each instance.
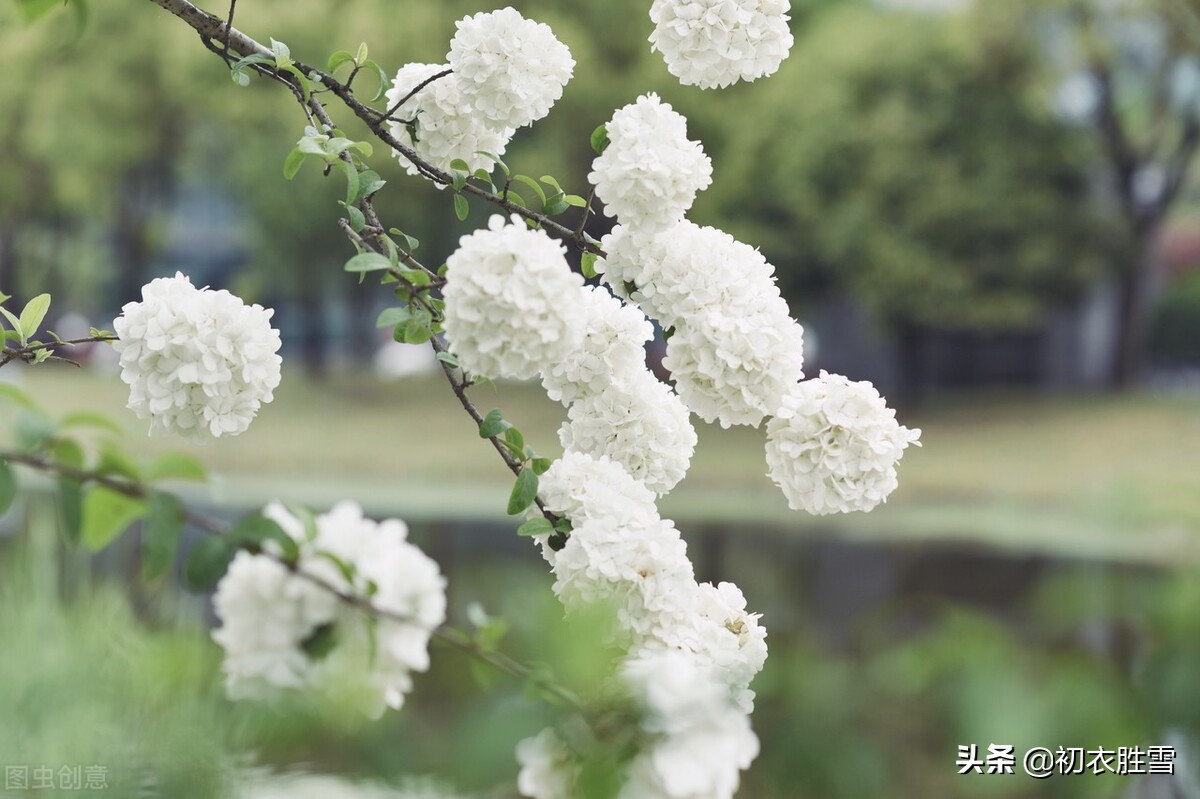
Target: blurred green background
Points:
(983, 207)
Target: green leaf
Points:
(34, 313)
(160, 534)
(390, 317)
(352, 181)
(599, 139)
(540, 465)
(11, 392)
(33, 430)
(461, 207)
(587, 264)
(493, 424)
(15, 322)
(176, 466)
(293, 162)
(385, 83)
(368, 262)
(70, 508)
(90, 419)
(539, 525)
(207, 562)
(320, 642)
(515, 441)
(337, 59)
(8, 486)
(67, 453)
(106, 514)
(533, 184)
(253, 532)
(524, 491)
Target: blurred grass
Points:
(1109, 476)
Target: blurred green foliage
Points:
(1175, 327)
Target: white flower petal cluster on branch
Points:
(650, 172)
(548, 768)
(198, 362)
(511, 301)
(614, 335)
(504, 72)
(283, 630)
(735, 368)
(511, 70)
(700, 739)
(834, 445)
(713, 43)
(445, 125)
(638, 422)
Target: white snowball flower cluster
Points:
(650, 172)
(640, 423)
(510, 69)
(713, 43)
(614, 335)
(509, 307)
(198, 362)
(834, 446)
(281, 630)
(548, 768)
(445, 126)
(617, 407)
(700, 740)
(715, 629)
(505, 72)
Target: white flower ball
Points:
(699, 740)
(509, 68)
(685, 269)
(613, 346)
(512, 302)
(446, 126)
(197, 362)
(635, 568)
(735, 367)
(649, 174)
(582, 487)
(548, 769)
(639, 423)
(713, 43)
(834, 445)
(270, 615)
(715, 628)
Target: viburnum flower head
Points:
(444, 125)
(834, 445)
(650, 172)
(638, 422)
(713, 43)
(684, 270)
(281, 629)
(612, 348)
(509, 68)
(197, 362)
(699, 739)
(735, 367)
(512, 302)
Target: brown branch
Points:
(27, 352)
